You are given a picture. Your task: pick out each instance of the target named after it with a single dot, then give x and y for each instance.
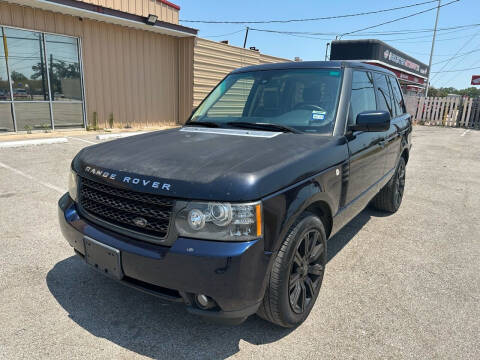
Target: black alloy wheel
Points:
(297, 273)
(306, 271)
(399, 184)
(390, 196)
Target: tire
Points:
(390, 197)
(294, 282)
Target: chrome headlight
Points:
(219, 221)
(73, 185)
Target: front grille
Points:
(121, 207)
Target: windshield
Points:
(301, 99)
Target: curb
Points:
(120, 135)
(21, 143)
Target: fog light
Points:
(204, 302)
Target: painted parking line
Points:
(119, 135)
(21, 173)
(465, 132)
(21, 143)
(87, 141)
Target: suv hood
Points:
(206, 164)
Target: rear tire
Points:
(390, 197)
(297, 273)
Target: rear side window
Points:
(384, 96)
(363, 95)
(397, 97)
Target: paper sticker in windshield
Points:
(318, 115)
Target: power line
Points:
(314, 36)
(456, 70)
(399, 32)
(426, 36)
(232, 33)
(415, 31)
(448, 80)
(458, 51)
(309, 19)
(459, 55)
(423, 41)
(398, 19)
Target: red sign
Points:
(476, 80)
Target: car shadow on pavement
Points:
(343, 237)
(148, 326)
(143, 323)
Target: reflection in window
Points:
(6, 120)
(233, 101)
(32, 116)
(64, 68)
(384, 95)
(33, 67)
(397, 97)
(26, 65)
(67, 114)
(363, 95)
(4, 86)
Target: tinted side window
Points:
(397, 97)
(384, 95)
(363, 94)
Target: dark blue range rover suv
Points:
(231, 213)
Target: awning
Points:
(100, 13)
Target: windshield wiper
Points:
(263, 126)
(209, 124)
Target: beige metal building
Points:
(67, 63)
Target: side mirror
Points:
(372, 121)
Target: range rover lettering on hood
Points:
(127, 179)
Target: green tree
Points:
(18, 77)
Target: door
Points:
(385, 103)
(392, 136)
(366, 149)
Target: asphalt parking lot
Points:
(399, 286)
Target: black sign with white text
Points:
(376, 50)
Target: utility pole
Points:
(431, 51)
(326, 51)
(246, 36)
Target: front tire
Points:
(297, 273)
(390, 197)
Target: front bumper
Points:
(231, 273)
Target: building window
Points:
(40, 81)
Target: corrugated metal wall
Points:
(140, 7)
(139, 76)
(213, 60)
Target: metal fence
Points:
(448, 111)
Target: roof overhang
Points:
(100, 13)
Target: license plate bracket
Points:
(103, 258)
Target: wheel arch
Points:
(323, 211)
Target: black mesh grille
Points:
(122, 207)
